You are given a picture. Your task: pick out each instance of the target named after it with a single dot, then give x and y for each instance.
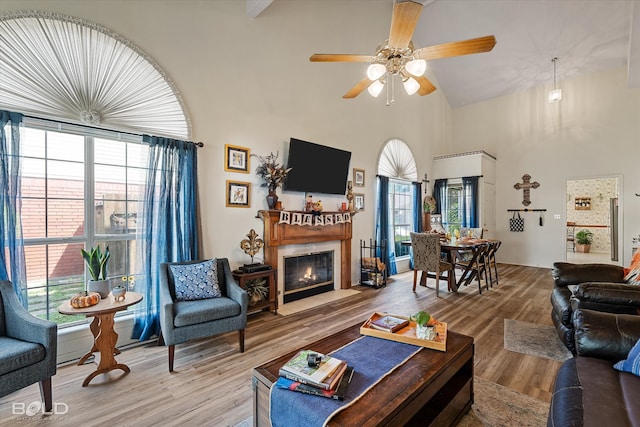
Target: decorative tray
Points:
(408, 333)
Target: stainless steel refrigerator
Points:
(613, 227)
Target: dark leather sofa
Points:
(588, 391)
(597, 287)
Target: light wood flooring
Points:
(211, 385)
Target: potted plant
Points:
(428, 206)
(273, 175)
(424, 325)
(96, 262)
(584, 239)
(257, 289)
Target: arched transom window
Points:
(68, 69)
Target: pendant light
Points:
(555, 95)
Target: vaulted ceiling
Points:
(585, 35)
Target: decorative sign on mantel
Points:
(303, 218)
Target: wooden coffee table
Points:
(431, 388)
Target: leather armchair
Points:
(597, 287)
(181, 321)
(28, 347)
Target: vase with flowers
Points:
(273, 175)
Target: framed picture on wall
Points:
(358, 177)
(238, 194)
(236, 159)
(358, 201)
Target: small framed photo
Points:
(358, 201)
(238, 194)
(358, 177)
(236, 159)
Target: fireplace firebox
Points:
(307, 275)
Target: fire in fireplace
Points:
(307, 275)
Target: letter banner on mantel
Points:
(298, 218)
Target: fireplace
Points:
(307, 274)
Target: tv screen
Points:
(316, 168)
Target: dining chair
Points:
(494, 245)
(476, 266)
(427, 257)
(475, 232)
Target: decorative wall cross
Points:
(526, 187)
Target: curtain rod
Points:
(197, 144)
(526, 210)
(460, 177)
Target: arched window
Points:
(68, 69)
(89, 95)
(398, 164)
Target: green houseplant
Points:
(257, 289)
(96, 262)
(584, 239)
(424, 328)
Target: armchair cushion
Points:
(205, 310)
(196, 281)
(632, 363)
(17, 354)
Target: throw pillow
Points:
(196, 281)
(632, 363)
(632, 275)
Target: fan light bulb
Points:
(375, 88)
(411, 86)
(375, 71)
(417, 67)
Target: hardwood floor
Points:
(211, 385)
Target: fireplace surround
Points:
(278, 236)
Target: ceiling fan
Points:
(397, 56)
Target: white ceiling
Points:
(585, 35)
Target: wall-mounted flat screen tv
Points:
(316, 168)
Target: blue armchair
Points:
(181, 321)
(28, 347)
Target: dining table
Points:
(451, 249)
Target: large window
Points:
(453, 208)
(401, 204)
(80, 188)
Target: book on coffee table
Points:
(325, 374)
(338, 394)
(389, 323)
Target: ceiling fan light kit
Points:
(397, 56)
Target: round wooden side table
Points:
(104, 335)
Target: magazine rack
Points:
(373, 271)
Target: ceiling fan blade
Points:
(358, 88)
(465, 47)
(426, 87)
(339, 57)
(403, 23)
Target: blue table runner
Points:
(372, 359)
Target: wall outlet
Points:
(556, 216)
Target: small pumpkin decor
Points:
(85, 299)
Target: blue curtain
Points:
(168, 232)
(417, 213)
(470, 201)
(12, 260)
(440, 194)
(383, 226)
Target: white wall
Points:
(249, 82)
(594, 131)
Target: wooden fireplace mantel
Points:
(276, 234)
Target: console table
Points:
(431, 388)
